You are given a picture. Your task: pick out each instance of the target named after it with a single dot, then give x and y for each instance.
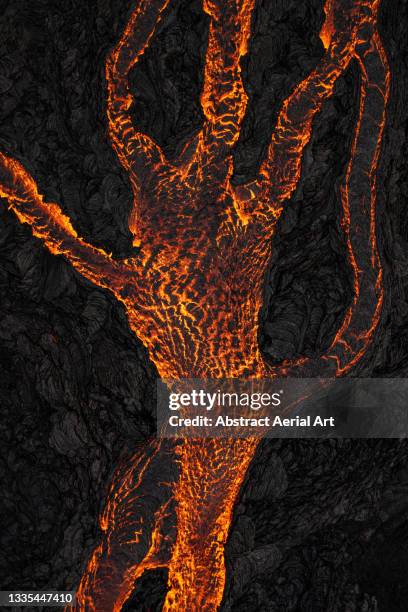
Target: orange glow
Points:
(328, 28)
(194, 293)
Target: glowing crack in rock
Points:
(193, 292)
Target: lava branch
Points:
(136, 537)
(193, 293)
(54, 228)
(359, 201)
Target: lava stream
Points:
(193, 292)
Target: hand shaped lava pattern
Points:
(193, 293)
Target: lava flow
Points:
(194, 291)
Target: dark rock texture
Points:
(320, 525)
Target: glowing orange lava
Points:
(193, 293)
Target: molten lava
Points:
(193, 293)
